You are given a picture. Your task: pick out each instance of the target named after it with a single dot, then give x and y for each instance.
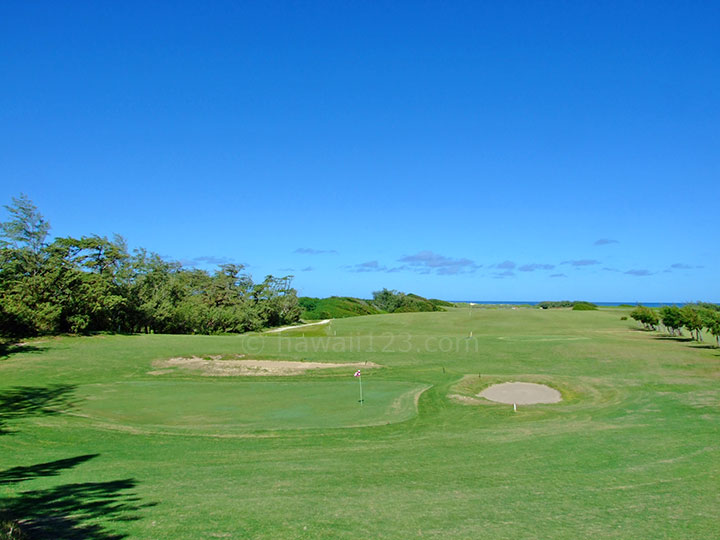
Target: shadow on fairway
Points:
(51, 468)
(9, 349)
(682, 339)
(23, 401)
(67, 511)
(704, 346)
(690, 341)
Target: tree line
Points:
(693, 317)
(93, 283)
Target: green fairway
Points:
(93, 438)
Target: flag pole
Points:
(359, 376)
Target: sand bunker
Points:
(214, 366)
(521, 393)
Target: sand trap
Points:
(214, 366)
(521, 393)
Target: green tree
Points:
(646, 316)
(692, 320)
(92, 283)
(672, 319)
(26, 230)
(712, 323)
(25, 304)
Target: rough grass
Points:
(632, 451)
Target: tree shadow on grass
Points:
(682, 339)
(9, 349)
(704, 346)
(51, 468)
(78, 511)
(23, 401)
(74, 511)
(710, 344)
(68, 511)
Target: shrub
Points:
(555, 304)
(335, 307)
(10, 530)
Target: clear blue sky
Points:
(463, 150)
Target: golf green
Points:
(228, 407)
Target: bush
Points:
(399, 302)
(10, 530)
(335, 307)
(578, 305)
(555, 304)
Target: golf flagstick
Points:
(359, 376)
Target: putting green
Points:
(215, 408)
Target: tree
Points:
(25, 308)
(27, 228)
(92, 283)
(672, 319)
(712, 323)
(692, 320)
(646, 316)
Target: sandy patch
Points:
(215, 367)
(465, 399)
(521, 393)
(283, 328)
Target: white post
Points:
(514, 407)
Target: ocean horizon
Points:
(536, 302)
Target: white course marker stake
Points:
(514, 407)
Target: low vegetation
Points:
(584, 306)
(11, 530)
(391, 301)
(578, 305)
(335, 307)
(384, 301)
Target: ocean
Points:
(535, 303)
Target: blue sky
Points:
(462, 150)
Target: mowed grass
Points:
(230, 407)
(633, 451)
